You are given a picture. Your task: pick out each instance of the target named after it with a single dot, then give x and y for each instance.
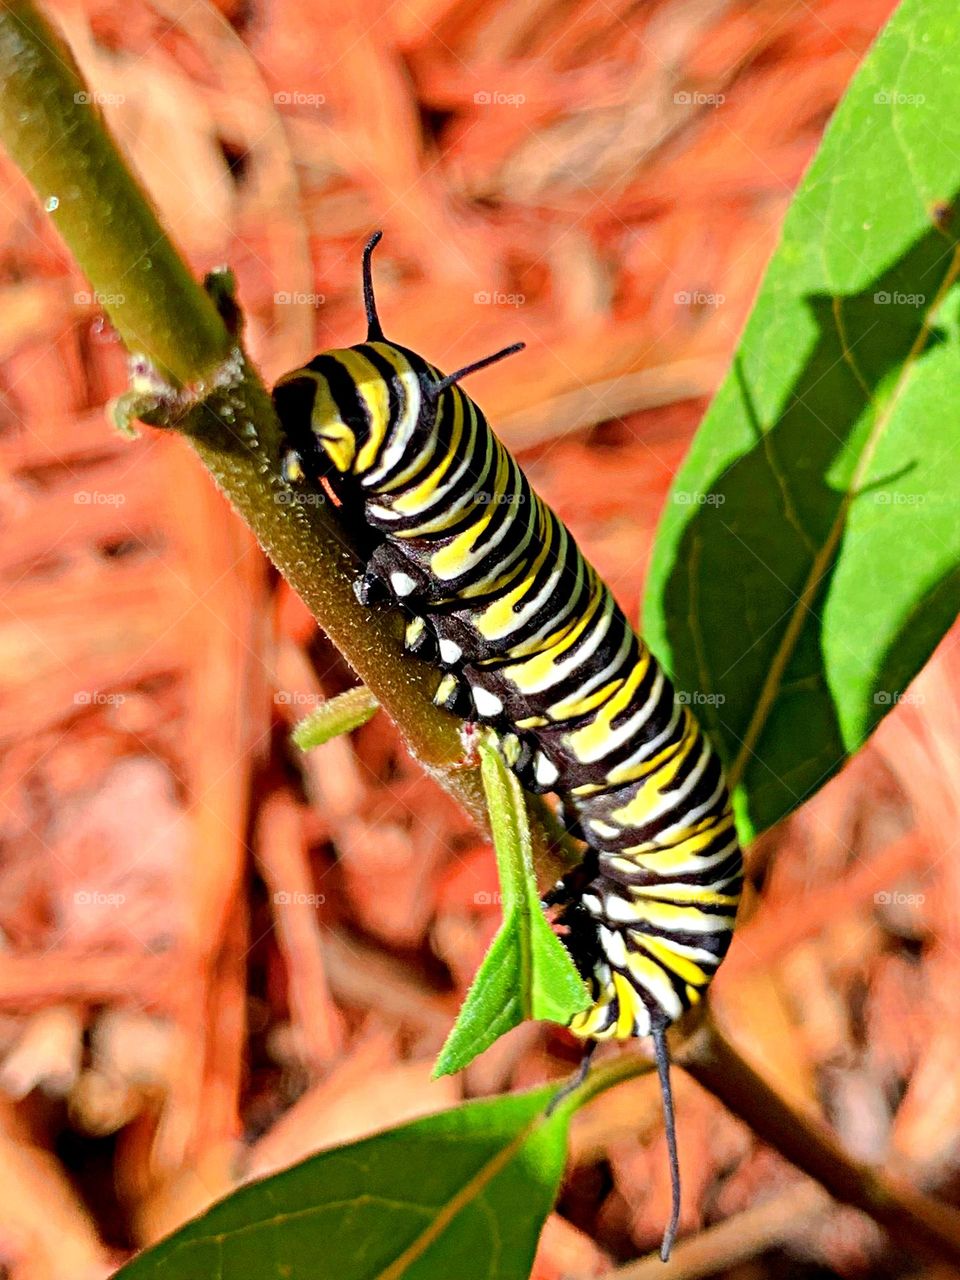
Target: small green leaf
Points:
(808, 561)
(463, 1193)
(342, 714)
(527, 973)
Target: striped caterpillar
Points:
(530, 640)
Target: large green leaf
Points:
(807, 563)
(527, 973)
(463, 1193)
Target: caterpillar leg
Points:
(517, 754)
(535, 772)
(438, 639)
(420, 639)
(433, 639)
(456, 643)
(388, 576)
(454, 694)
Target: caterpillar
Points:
(529, 639)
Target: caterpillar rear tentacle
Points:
(530, 640)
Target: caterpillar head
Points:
(315, 422)
(346, 405)
(330, 406)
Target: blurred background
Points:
(217, 956)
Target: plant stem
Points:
(53, 129)
(917, 1221)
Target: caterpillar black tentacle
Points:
(530, 640)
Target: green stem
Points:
(53, 129)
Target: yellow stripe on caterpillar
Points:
(533, 675)
(373, 392)
(695, 895)
(667, 958)
(587, 743)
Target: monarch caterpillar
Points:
(530, 640)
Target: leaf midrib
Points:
(821, 562)
(470, 1190)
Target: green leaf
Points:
(342, 714)
(527, 973)
(463, 1193)
(809, 559)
